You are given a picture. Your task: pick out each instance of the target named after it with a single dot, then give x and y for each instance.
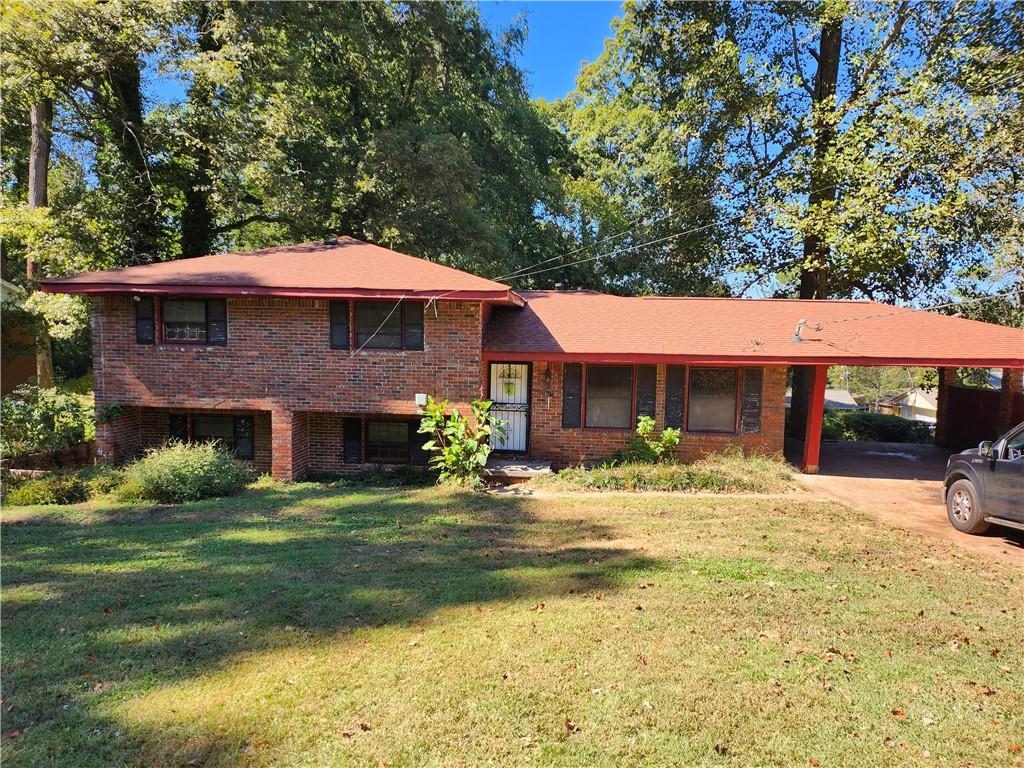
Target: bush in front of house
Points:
(37, 420)
(51, 489)
(875, 427)
(179, 472)
(460, 448)
(727, 472)
(645, 447)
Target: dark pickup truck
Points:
(985, 485)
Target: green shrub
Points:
(37, 419)
(180, 472)
(727, 472)
(645, 448)
(875, 427)
(460, 448)
(52, 489)
(102, 480)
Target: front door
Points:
(510, 393)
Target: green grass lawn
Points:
(305, 625)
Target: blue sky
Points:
(560, 37)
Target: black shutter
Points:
(646, 389)
(750, 405)
(416, 441)
(675, 395)
(572, 394)
(145, 327)
(217, 321)
(243, 437)
(177, 428)
(352, 439)
(339, 325)
(412, 324)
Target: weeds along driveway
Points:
(300, 625)
(901, 484)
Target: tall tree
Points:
(41, 120)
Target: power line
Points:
(900, 310)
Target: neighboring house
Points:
(17, 340)
(915, 404)
(315, 357)
(835, 400)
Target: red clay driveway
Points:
(901, 484)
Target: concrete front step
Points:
(515, 469)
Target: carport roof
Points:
(598, 327)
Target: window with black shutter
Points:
(675, 395)
(195, 321)
(572, 394)
(750, 404)
(145, 325)
(412, 324)
(339, 325)
(352, 440)
(416, 439)
(646, 390)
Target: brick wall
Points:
(277, 361)
(565, 447)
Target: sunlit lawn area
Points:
(305, 625)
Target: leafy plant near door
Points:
(460, 448)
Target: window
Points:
(145, 329)
(712, 400)
(195, 321)
(609, 396)
(339, 325)
(387, 441)
(387, 325)
(233, 432)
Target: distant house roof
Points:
(919, 398)
(567, 325)
(835, 400)
(342, 268)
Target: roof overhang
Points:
(751, 360)
(506, 297)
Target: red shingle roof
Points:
(344, 267)
(557, 325)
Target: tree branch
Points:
(261, 217)
(862, 82)
(796, 62)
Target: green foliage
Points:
(52, 489)
(648, 448)
(726, 472)
(180, 472)
(460, 448)
(37, 420)
(873, 427)
(706, 113)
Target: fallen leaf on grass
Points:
(570, 726)
(899, 713)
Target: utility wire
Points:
(900, 310)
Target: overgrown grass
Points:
(299, 625)
(726, 472)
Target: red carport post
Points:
(815, 414)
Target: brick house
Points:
(313, 357)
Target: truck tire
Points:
(964, 510)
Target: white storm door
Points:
(510, 393)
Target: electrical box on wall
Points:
(421, 399)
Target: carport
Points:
(906, 337)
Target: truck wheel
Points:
(963, 508)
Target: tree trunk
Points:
(821, 189)
(41, 118)
(197, 224)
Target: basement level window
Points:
(387, 441)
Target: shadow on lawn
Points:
(146, 597)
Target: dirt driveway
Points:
(901, 484)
